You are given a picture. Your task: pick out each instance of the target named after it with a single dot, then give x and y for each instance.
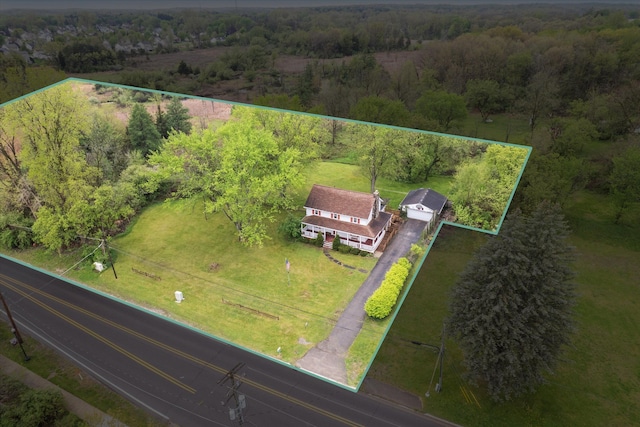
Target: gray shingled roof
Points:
(426, 197)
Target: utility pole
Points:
(239, 399)
(14, 329)
(106, 246)
(439, 360)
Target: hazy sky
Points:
(218, 4)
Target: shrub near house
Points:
(382, 301)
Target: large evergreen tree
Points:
(142, 131)
(511, 309)
(177, 117)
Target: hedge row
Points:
(380, 304)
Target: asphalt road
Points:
(174, 371)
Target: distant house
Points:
(423, 204)
(358, 219)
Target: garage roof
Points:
(426, 197)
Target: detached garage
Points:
(423, 204)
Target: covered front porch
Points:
(363, 243)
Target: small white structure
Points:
(99, 267)
(423, 204)
(179, 296)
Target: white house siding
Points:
(353, 240)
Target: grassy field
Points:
(245, 297)
(597, 382)
(513, 129)
(239, 294)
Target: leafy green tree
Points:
(377, 148)
(608, 112)
(52, 123)
(16, 191)
(569, 136)
(442, 107)
(482, 187)
(511, 309)
(17, 79)
(190, 160)
(550, 177)
(238, 169)
(486, 96)
(104, 145)
(15, 230)
(83, 57)
(540, 98)
(377, 109)
(420, 155)
(36, 408)
(364, 73)
(334, 101)
(625, 180)
(291, 227)
(307, 86)
(282, 101)
(99, 214)
(405, 82)
(253, 180)
(302, 132)
(142, 132)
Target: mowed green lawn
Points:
(240, 294)
(237, 293)
(598, 380)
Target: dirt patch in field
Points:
(169, 61)
(390, 61)
(200, 110)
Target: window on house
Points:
(335, 216)
(315, 212)
(355, 220)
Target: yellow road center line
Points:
(100, 338)
(170, 349)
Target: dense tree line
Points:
(570, 73)
(69, 171)
(247, 169)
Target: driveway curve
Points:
(327, 358)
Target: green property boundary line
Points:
(415, 270)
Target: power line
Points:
(239, 399)
(245, 293)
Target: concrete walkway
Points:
(327, 359)
(91, 415)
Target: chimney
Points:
(376, 203)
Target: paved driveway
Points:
(327, 359)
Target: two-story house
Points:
(358, 219)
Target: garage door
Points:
(421, 215)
